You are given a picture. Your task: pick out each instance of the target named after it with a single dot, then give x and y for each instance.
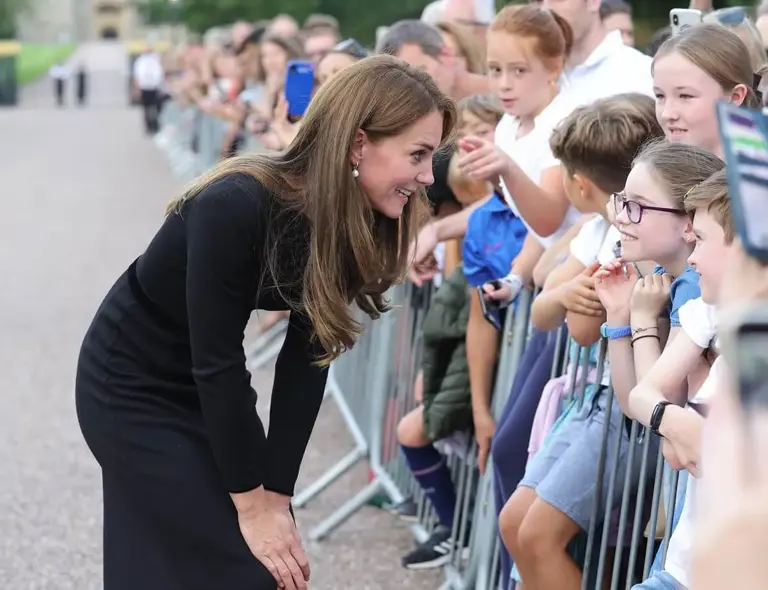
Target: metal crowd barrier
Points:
(372, 385)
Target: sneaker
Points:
(432, 553)
(407, 510)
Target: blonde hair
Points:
(468, 45)
(355, 253)
(749, 35)
(678, 167)
(711, 195)
(718, 52)
(483, 106)
(600, 140)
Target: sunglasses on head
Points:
(350, 47)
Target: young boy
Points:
(596, 145)
(656, 401)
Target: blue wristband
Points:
(615, 333)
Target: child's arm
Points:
(568, 287)
(557, 253)
(666, 379)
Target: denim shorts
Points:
(659, 581)
(564, 472)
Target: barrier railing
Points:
(372, 385)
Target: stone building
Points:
(73, 21)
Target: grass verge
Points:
(35, 60)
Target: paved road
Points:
(82, 192)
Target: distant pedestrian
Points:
(148, 79)
(60, 73)
(82, 84)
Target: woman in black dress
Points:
(196, 496)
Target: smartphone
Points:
(681, 19)
(744, 135)
(299, 83)
(744, 338)
(491, 309)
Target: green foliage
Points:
(35, 60)
(9, 12)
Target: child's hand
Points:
(614, 284)
(482, 159)
(649, 298)
(578, 295)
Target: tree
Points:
(10, 11)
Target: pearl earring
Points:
(355, 172)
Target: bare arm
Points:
(557, 253)
(548, 311)
(667, 377)
(543, 205)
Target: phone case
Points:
(744, 135)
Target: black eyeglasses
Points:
(635, 210)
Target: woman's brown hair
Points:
(355, 253)
(551, 33)
(719, 53)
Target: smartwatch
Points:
(657, 416)
(615, 333)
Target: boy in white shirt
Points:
(657, 401)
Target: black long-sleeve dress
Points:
(164, 398)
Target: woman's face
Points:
(660, 235)
(520, 81)
(331, 65)
(393, 169)
(685, 102)
(273, 60)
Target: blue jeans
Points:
(659, 581)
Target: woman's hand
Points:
(482, 159)
(423, 263)
(649, 298)
(614, 284)
(270, 532)
(578, 295)
(285, 130)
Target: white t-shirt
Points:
(59, 72)
(533, 155)
(148, 72)
(596, 242)
(699, 321)
(612, 68)
(681, 543)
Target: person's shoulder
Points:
(561, 106)
(595, 227)
(237, 195)
(685, 287)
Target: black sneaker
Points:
(432, 553)
(406, 510)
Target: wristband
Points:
(615, 333)
(516, 285)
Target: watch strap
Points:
(657, 416)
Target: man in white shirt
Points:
(600, 64)
(60, 73)
(148, 79)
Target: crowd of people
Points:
(593, 173)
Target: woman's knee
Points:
(410, 430)
(544, 531)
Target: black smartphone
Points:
(491, 309)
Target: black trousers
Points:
(150, 102)
(60, 87)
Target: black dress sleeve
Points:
(223, 254)
(297, 394)
(226, 252)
